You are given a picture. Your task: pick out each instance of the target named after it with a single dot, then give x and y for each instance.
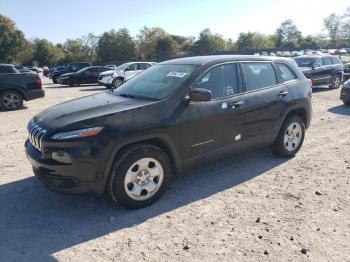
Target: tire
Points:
(131, 182)
(282, 146)
(335, 83)
(117, 83)
(54, 80)
(11, 100)
(74, 83)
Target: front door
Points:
(213, 126)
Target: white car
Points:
(115, 78)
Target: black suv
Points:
(129, 141)
(322, 69)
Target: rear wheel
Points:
(75, 83)
(336, 80)
(290, 137)
(11, 100)
(140, 176)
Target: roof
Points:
(1, 64)
(202, 60)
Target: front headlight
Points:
(77, 133)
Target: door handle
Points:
(237, 104)
(283, 93)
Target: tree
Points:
(12, 40)
(287, 35)
(333, 24)
(165, 48)
(208, 43)
(89, 44)
(148, 39)
(45, 53)
(116, 46)
(254, 41)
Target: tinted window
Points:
(305, 61)
(335, 60)
(222, 81)
(132, 67)
(327, 60)
(285, 72)
(319, 62)
(144, 66)
(259, 75)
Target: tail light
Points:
(38, 83)
(309, 82)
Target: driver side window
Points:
(221, 80)
(132, 67)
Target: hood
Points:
(86, 108)
(106, 73)
(67, 74)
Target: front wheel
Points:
(290, 137)
(11, 100)
(140, 176)
(117, 83)
(336, 80)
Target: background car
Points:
(72, 67)
(124, 72)
(322, 69)
(345, 93)
(16, 87)
(86, 75)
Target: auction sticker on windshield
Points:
(177, 74)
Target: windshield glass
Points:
(304, 61)
(83, 69)
(157, 82)
(123, 66)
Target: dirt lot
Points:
(251, 207)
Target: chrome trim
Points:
(35, 134)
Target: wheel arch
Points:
(161, 142)
(16, 89)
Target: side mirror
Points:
(200, 95)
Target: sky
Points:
(57, 20)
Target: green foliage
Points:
(254, 41)
(208, 43)
(12, 40)
(333, 24)
(287, 35)
(116, 46)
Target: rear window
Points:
(285, 72)
(259, 75)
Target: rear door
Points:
(265, 102)
(213, 125)
(328, 69)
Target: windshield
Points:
(157, 82)
(82, 70)
(304, 61)
(123, 66)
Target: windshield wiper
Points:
(127, 96)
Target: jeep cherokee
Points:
(128, 142)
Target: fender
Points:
(173, 153)
(5, 87)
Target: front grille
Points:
(35, 134)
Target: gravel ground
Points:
(250, 207)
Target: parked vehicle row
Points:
(16, 87)
(87, 75)
(179, 113)
(71, 68)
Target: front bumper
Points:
(106, 80)
(65, 178)
(34, 94)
